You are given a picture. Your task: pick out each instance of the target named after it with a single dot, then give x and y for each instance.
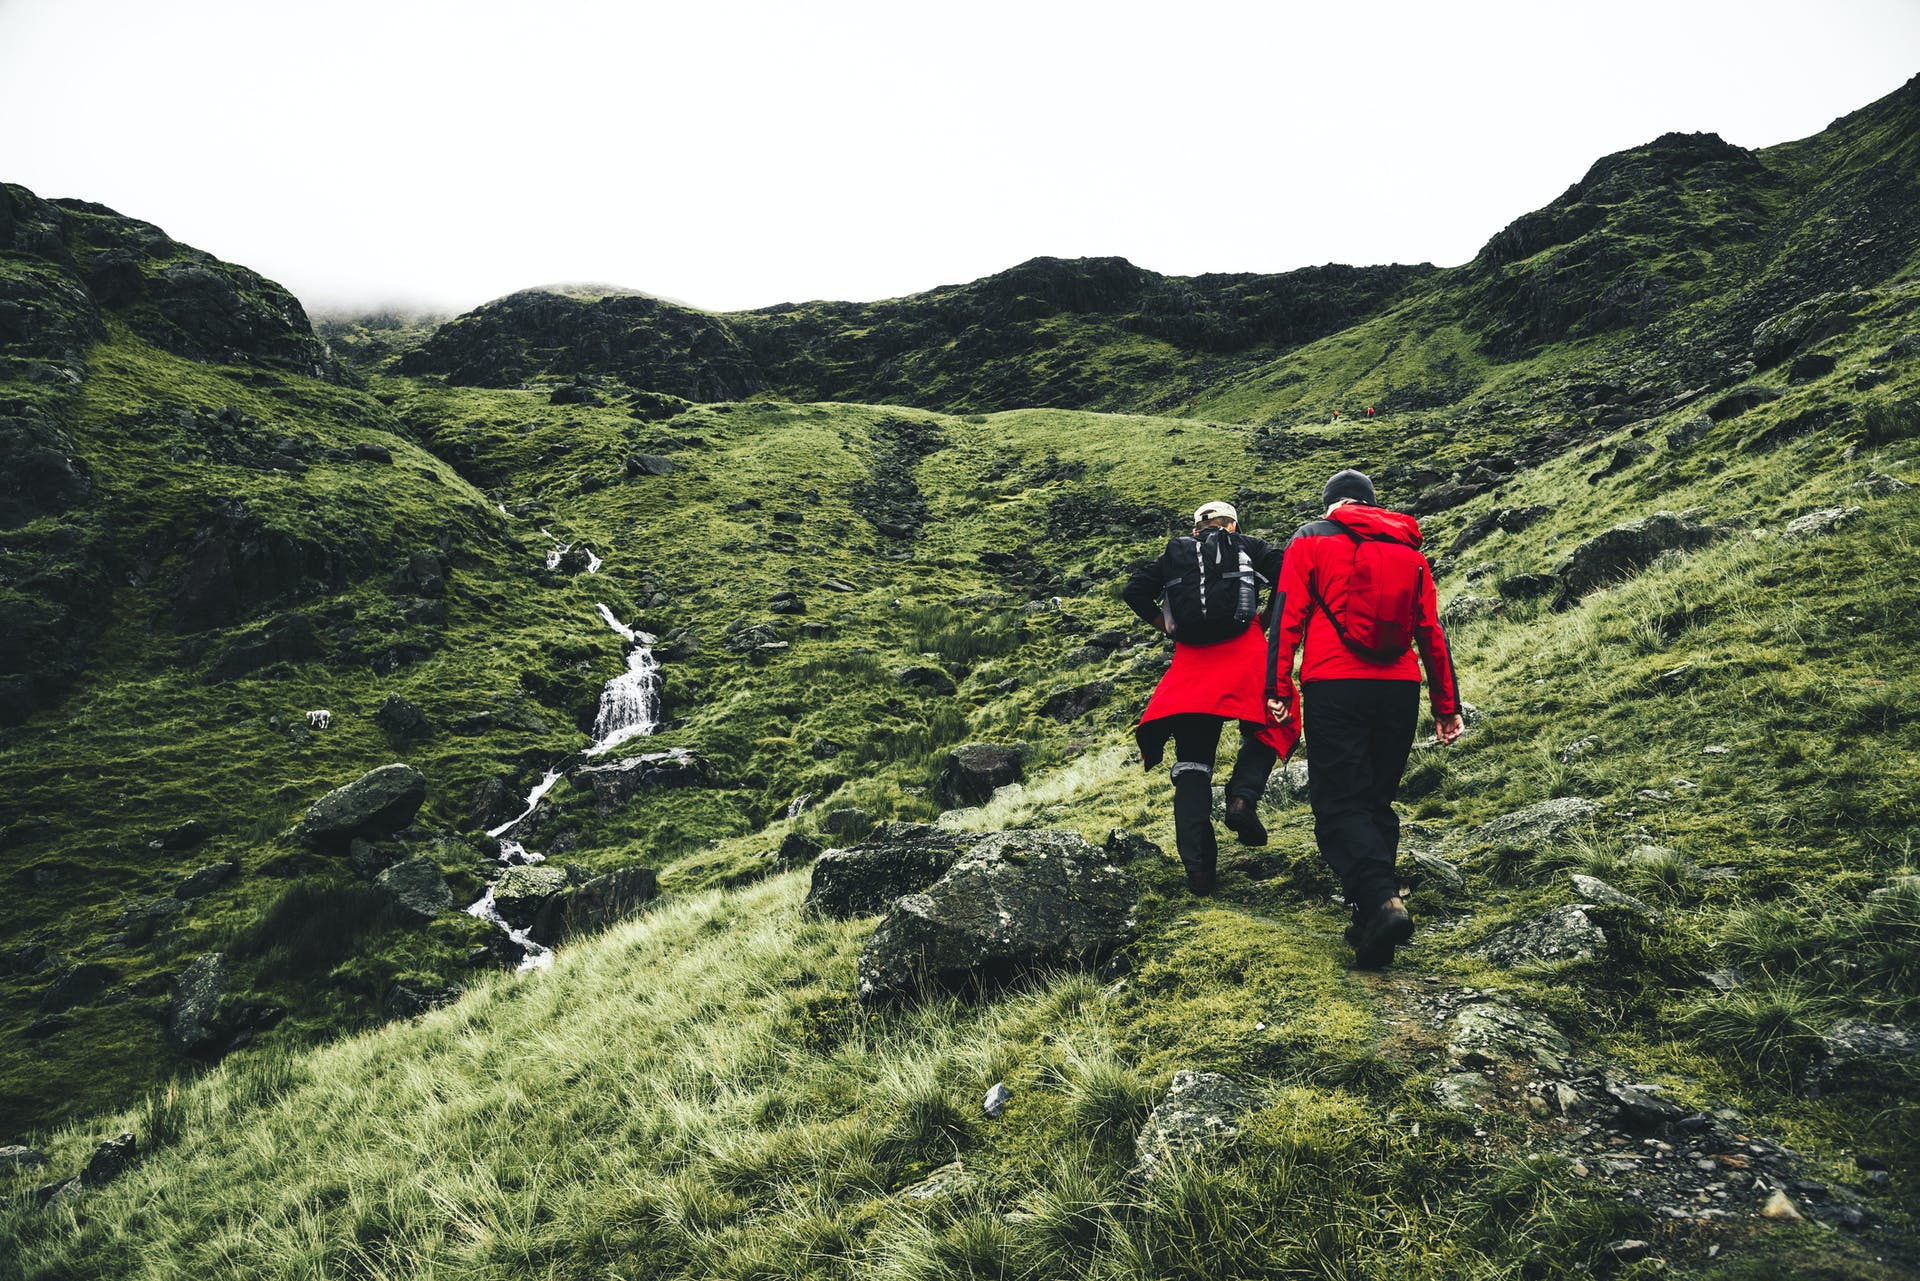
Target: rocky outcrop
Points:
(1816, 523)
(1857, 1052)
(554, 904)
(1565, 934)
(378, 803)
(1538, 823)
(899, 859)
(1019, 902)
(1494, 1033)
(1071, 704)
(416, 889)
(617, 782)
(1625, 550)
(193, 1019)
(973, 770)
(1200, 1114)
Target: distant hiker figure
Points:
(1356, 589)
(1204, 592)
(1369, 411)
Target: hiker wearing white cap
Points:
(1204, 592)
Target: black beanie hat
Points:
(1348, 484)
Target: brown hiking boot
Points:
(1375, 939)
(1243, 822)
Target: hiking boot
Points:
(1244, 822)
(1375, 938)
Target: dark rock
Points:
(1625, 550)
(108, 1161)
(291, 639)
(593, 905)
(28, 958)
(378, 803)
(902, 859)
(370, 858)
(617, 782)
(1624, 456)
(77, 986)
(404, 1001)
(650, 465)
(367, 451)
(184, 836)
(1465, 608)
(1740, 400)
(1690, 432)
(402, 719)
(416, 889)
(1565, 934)
(847, 820)
(204, 881)
(1811, 366)
(788, 604)
(144, 918)
(931, 679)
(1123, 847)
(747, 639)
(1199, 1114)
(522, 892)
(796, 849)
(493, 803)
(424, 574)
(1071, 704)
(41, 1028)
(1527, 586)
(1018, 903)
(1445, 497)
(1641, 1111)
(574, 394)
(973, 770)
(789, 518)
(1856, 1052)
(193, 1019)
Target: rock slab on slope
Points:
(1199, 1114)
(416, 888)
(1538, 823)
(973, 770)
(193, 1019)
(1625, 550)
(1565, 934)
(899, 859)
(378, 803)
(1019, 902)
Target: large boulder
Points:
(1200, 1114)
(378, 803)
(899, 859)
(1018, 903)
(617, 782)
(416, 888)
(1625, 550)
(973, 770)
(594, 905)
(522, 893)
(193, 1019)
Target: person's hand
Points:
(1448, 728)
(1278, 711)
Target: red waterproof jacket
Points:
(1321, 556)
(1228, 679)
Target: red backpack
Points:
(1384, 588)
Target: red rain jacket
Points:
(1228, 679)
(1322, 552)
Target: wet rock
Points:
(1463, 1091)
(617, 782)
(1538, 823)
(1625, 550)
(1603, 899)
(1824, 521)
(901, 859)
(1565, 934)
(378, 803)
(416, 889)
(77, 986)
(1493, 1033)
(973, 770)
(193, 1018)
(521, 892)
(1071, 704)
(204, 881)
(1017, 903)
(109, 1160)
(402, 719)
(593, 905)
(404, 1001)
(1199, 1115)
(931, 679)
(493, 802)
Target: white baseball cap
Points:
(1209, 511)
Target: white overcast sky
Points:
(733, 154)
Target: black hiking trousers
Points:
(1359, 733)
(1196, 741)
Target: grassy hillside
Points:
(209, 533)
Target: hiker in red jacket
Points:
(1356, 589)
(1219, 673)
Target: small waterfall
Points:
(630, 704)
(558, 551)
(540, 789)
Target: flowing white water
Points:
(540, 789)
(630, 704)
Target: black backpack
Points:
(1215, 593)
